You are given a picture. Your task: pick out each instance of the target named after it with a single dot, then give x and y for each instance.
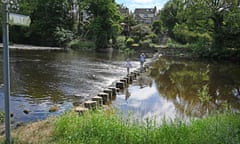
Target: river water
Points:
(41, 79)
(176, 86)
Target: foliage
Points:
(129, 41)
(143, 35)
(2, 116)
(184, 35)
(104, 24)
(211, 25)
(129, 19)
(81, 45)
(135, 45)
(169, 15)
(98, 127)
(140, 31)
(53, 22)
(211, 15)
(125, 45)
(171, 43)
(121, 42)
(157, 27)
(50, 20)
(62, 36)
(203, 94)
(57, 22)
(145, 43)
(154, 38)
(47, 19)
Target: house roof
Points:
(145, 10)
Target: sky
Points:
(132, 4)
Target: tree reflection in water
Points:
(181, 89)
(197, 88)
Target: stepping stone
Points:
(99, 100)
(109, 92)
(105, 97)
(90, 104)
(120, 85)
(80, 110)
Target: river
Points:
(41, 79)
(176, 87)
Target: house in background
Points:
(145, 15)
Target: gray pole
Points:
(6, 71)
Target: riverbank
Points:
(104, 127)
(30, 47)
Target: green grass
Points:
(107, 128)
(2, 115)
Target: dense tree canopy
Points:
(48, 20)
(212, 23)
(55, 22)
(105, 23)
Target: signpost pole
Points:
(6, 71)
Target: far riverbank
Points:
(30, 47)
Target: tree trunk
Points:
(218, 33)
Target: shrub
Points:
(146, 43)
(129, 42)
(121, 42)
(153, 37)
(81, 45)
(203, 94)
(62, 36)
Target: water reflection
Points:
(145, 102)
(176, 86)
(184, 79)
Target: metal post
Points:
(6, 70)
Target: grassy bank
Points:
(107, 128)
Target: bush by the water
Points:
(81, 45)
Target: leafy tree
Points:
(169, 15)
(214, 14)
(47, 19)
(51, 22)
(128, 21)
(104, 23)
(143, 35)
(213, 25)
(19, 34)
(157, 27)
